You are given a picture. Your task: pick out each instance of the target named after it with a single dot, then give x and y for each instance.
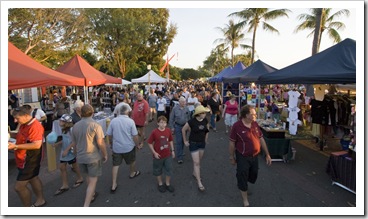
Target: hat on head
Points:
(200, 109)
(66, 118)
(78, 103)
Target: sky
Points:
(197, 22)
(198, 30)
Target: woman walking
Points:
(198, 128)
(230, 112)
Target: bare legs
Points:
(91, 187)
(196, 157)
(25, 194)
(245, 198)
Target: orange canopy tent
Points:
(80, 68)
(24, 72)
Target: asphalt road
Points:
(302, 182)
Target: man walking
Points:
(140, 115)
(88, 140)
(123, 136)
(178, 117)
(28, 154)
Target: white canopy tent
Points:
(150, 77)
(123, 82)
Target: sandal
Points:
(41, 205)
(77, 184)
(94, 197)
(137, 173)
(201, 188)
(60, 191)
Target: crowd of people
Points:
(180, 111)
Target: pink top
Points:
(231, 108)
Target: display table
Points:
(279, 148)
(342, 170)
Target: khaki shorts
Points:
(91, 169)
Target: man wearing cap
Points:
(28, 154)
(77, 114)
(178, 117)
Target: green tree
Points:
(217, 60)
(328, 22)
(233, 37)
(126, 39)
(252, 17)
(48, 35)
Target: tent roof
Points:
(151, 77)
(250, 74)
(335, 65)
(217, 77)
(80, 68)
(24, 72)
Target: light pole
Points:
(149, 76)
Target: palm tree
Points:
(252, 17)
(233, 38)
(317, 31)
(328, 22)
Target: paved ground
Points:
(302, 182)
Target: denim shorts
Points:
(164, 165)
(195, 146)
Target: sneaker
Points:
(180, 161)
(170, 188)
(162, 188)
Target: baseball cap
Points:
(66, 118)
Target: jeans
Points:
(179, 144)
(213, 120)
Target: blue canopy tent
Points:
(250, 74)
(218, 77)
(335, 65)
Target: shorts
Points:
(129, 158)
(28, 173)
(91, 169)
(164, 165)
(230, 119)
(195, 146)
(70, 161)
(246, 170)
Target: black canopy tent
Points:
(335, 65)
(250, 74)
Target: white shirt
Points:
(39, 114)
(161, 104)
(193, 100)
(293, 126)
(293, 113)
(293, 98)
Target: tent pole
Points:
(259, 100)
(85, 94)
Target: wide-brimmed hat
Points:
(200, 109)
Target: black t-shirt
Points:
(215, 105)
(198, 130)
(15, 100)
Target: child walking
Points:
(67, 155)
(161, 144)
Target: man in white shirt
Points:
(191, 101)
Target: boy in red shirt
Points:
(161, 144)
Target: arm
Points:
(172, 149)
(72, 145)
(223, 111)
(265, 149)
(136, 140)
(102, 146)
(155, 154)
(232, 152)
(184, 133)
(27, 146)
